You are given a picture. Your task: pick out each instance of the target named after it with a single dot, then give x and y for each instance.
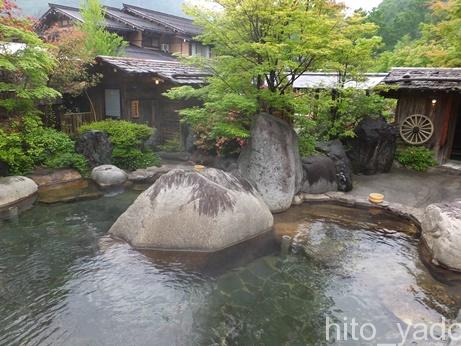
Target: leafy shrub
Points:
(27, 143)
(127, 139)
(171, 145)
(68, 160)
(416, 158)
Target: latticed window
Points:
(134, 109)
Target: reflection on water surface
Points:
(61, 284)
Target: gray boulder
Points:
(335, 151)
(108, 176)
(16, 194)
(196, 211)
(151, 174)
(319, 175)
(441, 232)
(372, 150)
(96, 147)
(271, 161)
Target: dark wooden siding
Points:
(443, 115)
(155, 109)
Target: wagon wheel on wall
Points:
(416, 129)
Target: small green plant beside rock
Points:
(127, 139)
(26, 143)
(417, 158)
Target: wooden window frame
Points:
(134, 109)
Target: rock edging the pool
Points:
(17, 194)
(439, 224)
(187, 210)
(414, 214)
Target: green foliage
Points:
(24, 71)
(98, 41)
(399, 18)
(417, 158)
(28, 144)
(439, 43)
(260, 48)
(171, 145)
(127, 139)
(331, 114)
(68, 160)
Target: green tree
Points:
(445, 35)
(25, 65)
(439, 44)
(98, 41)
(399, 18)
(260, 48)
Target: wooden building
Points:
(148, 30)
(429, 108)
(131, 87)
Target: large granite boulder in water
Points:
(16, 194)
(319, 175)
(197, 211)
(441, 231)
(271, 161)
(372, 150)
(335, 151)
(96, 147)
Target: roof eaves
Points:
(135, 11)
(124, 21)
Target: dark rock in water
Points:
(4, 169)
(197, 211)
(228, 164)
(271, 161)
(96, 147)
(373, 149)
(319, 175)
(335, 151)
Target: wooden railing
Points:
(71, 122)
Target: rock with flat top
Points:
(197, 211)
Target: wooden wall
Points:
(154, 109)
(443, 114)
(178, 45)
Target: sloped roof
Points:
(131, 18)
(175, 23)
(425, 78)
(145, 53)
(173, 71)
(329, 80)
(134, 22)
(74, 13)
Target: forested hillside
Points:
(37, 7)
(399, 18)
